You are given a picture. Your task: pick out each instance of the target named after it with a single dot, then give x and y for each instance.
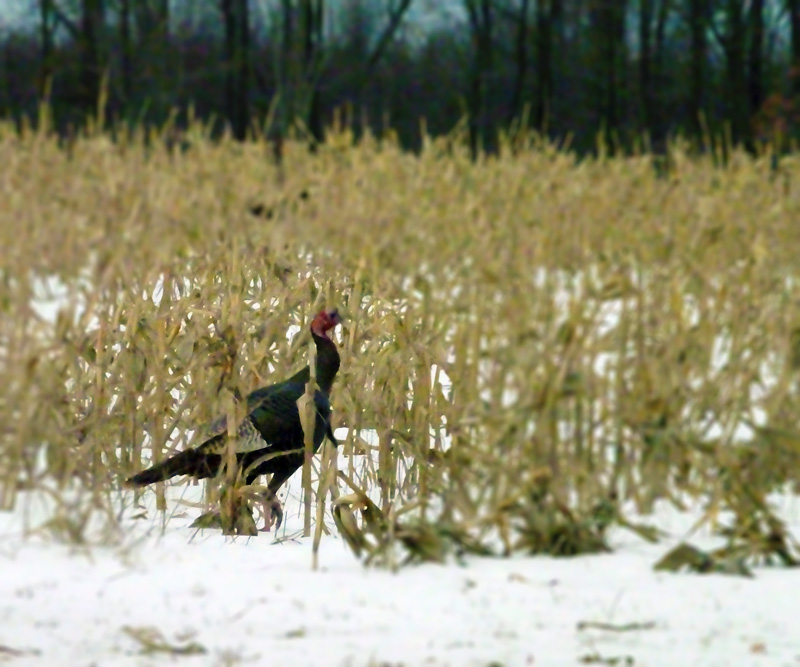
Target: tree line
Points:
(574, 70)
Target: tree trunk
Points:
(756, 57)
(313, 12)
(285, 79)
(544, 63)
(793, 6)
(46, 36)
(126, 47)
(608, 22)
(521, 60)
(91, 62)
(735, 42)
(617, 59)
(645, 69)
(481, 21)
(150, 55)
(658, 130)
(698, 24)
(396, 15)
(237, 66)
(558, 47)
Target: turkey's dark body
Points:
(270, 439)
(276, 422)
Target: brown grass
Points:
(501, 274)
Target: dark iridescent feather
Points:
(272, 425)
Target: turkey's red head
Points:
(324, 321)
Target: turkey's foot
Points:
(272, 511)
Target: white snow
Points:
(254, 601)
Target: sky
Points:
(12, 12)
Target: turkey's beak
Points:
(335, 317)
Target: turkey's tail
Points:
(187, 462)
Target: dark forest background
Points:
(576, 69)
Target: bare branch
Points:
(395, 18)
(65, 20)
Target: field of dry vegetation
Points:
(534, 347)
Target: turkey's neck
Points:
(327, 362)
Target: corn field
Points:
(533, 346)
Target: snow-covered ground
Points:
(216, 600)
(254, 601)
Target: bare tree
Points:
(793, 7)
(481, 23)
(151, 19)
(698, 17)
(548, 21)
(312, 24)
(126, 47)
(92, 58)
(368, 33)
(655, 118)
(646, 92)
(607, 21)
(395, 12)
(286, 79)
(520, 16)
(755, 70)
(237, 65)
(732, 37)
(46, 26)
(299, 64)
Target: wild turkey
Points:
(272, 426)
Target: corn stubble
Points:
(537, 344)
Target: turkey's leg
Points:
(270, 505)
